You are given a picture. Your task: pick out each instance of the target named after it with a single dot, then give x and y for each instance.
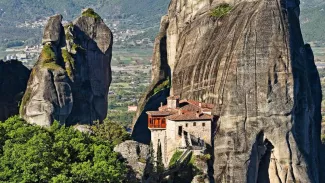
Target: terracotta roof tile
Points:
(190, 107)
(189, 117)
(160, 113)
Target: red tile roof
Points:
(160, 113)
(190, 107)
(189, 117)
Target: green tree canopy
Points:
(30, 153)
(111, 131)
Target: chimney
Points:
(161, 104)
(180, 112)
(198, 114)
(200, 104)
(173, 102)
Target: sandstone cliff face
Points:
(71, 79)
(13, 82)
(253, 64)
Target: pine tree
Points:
(160, 165)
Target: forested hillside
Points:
(138, 14)
(313, 21)
(14, 11)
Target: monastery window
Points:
(203, 124)
(186, 125)
(194, 124)
(180, 130)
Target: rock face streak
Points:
(253, 64)
(71, 79)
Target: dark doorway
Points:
(180, 130)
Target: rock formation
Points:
(249, 59)
(13, 82)
(136, 156)
(71, 79)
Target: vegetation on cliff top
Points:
(29, 153)
(221, 10)
(47, 54)
(48, 58)
(91, 13)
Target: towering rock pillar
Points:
(71, 79)
(249, 59)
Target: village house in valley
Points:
(180, 125)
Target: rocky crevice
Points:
(153, 97)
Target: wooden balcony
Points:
(156, 122)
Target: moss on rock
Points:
(52, 66)
(47, 54)
(67, 30)
(48, 58)
(162, 86)
(91, 13)
(221, 10)
(75, 47)
(69, 62)
(23, 103)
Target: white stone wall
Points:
(170, 140)
(172, 103)
(174, 140)
(199, 131)
(156, 136)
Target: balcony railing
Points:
(156, 123)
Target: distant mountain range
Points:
(138, 14)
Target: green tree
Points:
(110, 131)
(29, 153)
(160, 165)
